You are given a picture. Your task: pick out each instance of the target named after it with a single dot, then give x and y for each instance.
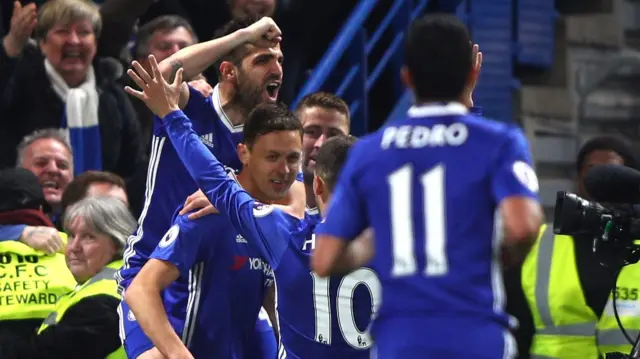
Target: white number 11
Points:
(434, 212)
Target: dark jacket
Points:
(80, 334)
(28, 103)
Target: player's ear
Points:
(228, 71)
(405, 76)
(243, 153)
(318, 186)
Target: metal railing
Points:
(348, 69)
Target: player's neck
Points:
(321, 206)
(251, 188)
(234, 110)
(311, 197)
(433, 102)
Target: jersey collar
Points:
(437, 110)
(217, 106)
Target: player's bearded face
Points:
(259, 77)
(275, 162)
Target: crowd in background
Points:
(42, 62)
(75, 148)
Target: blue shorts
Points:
(415, 338)
(134, 340)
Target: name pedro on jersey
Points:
(416, 136)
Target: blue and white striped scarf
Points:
(80, 119)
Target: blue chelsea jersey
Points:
(430, 186)
(169, 183)
(322, 317)
(319, 317)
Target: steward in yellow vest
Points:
(103, 283)
(566, 326)
(85, 322)
(30, 280)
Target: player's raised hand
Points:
(23, 21)
(264, 33)
(198, 201)
(476, 63)
(160, 96)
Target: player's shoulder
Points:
(276, 215)
(492, 128)
(199, 226)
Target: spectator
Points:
(244, 8)
(85, 322)
(88, 184)
(49, 156)
(31, 279)
(72, 88)
(93, 184)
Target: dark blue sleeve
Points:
(512, 173)
(11, 232)
(268, 227)
(346, 216)
(476, 110)
(182, 243)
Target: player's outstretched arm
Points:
(205, 169)
(355, 254)
(144, 298)
(197, 58)
(515, 189)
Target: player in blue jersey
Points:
(305, 301)
(443, 191)
(323, 115)
(206, 255)
(250, 69)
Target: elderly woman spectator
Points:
(62, 84)
(85, 323)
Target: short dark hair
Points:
(324, 100)
(267, 118)
(438, 55)
(161, 23)
(236, 55)
(77, 189)
(607, 143)
(331, 157)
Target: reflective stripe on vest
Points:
(105, 273)
(616, 337)
(103, 283)
(610, 338)
(31, 281)
(543, 280)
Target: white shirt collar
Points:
(217, 106)
(435, 110)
